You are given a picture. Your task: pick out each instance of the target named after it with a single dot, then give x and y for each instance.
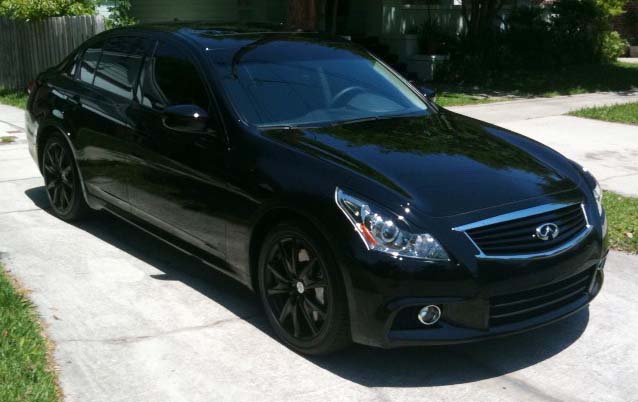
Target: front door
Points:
(178, 179)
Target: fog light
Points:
(429, 315)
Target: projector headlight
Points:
(382, 234)
(594, 185)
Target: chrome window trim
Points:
(523, 214)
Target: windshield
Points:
(296, 82)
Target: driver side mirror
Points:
(428, 93)
(185, 118)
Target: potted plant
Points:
(409, 43)
(434, 43)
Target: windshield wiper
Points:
(372, 118)
(278, 127)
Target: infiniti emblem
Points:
(547, 231)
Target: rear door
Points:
(178, 181)
(108, 74)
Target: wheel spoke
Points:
(279, 277)
(285, 311)
(305, 272)
(293, 257)
(67, 196)
(52, 184)
(295, 319)
(284, 259)
(321, 283)
(56, 194)
(48, 167)
(311, 323)
(278, 289)
(315, 307)
(60, 158)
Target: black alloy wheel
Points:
(301, 292)
(61, 180)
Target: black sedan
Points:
(310, 171)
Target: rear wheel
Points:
(302, 291)
(62, 180)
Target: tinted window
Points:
(290, 82)
(120, 65)
(69, 65)
(89, 62)
(170, 78)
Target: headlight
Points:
(594, 185)
(598, 195)
(382, 234)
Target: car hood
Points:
(444, 164)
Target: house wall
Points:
(627, 24)
(209, 10)
(399, 18)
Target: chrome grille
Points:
(520, 306)
(517, 236)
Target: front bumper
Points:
(490, 299)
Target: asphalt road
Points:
(134, 320)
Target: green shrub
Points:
(612, 46)
(568, 32)
(37, 9)
(527, 35)
(434, 38)
(120, 16)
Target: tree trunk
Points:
(302, 14)
(335, 16)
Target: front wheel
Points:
(62, 180)
(302, 291)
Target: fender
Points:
(48, 127)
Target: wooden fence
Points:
(28, 48)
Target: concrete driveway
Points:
(134, 320)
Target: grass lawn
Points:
(627, 113)
(622, 213)
(25, 374)
(571, 80)
(446, 99)
(14, 98)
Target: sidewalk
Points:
(609, 150)
(525, 109)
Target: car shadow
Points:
(404, 367)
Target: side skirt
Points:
(177, 243)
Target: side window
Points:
(170, 78)
(120, 65)
(88, 65)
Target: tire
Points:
(62, 181)
(303, 296)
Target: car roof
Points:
(199, 30)
(203, 33)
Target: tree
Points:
(312, 15)
(302, 14)
(612, 7)
(120, 14)
(480, 15)
(32, 10)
